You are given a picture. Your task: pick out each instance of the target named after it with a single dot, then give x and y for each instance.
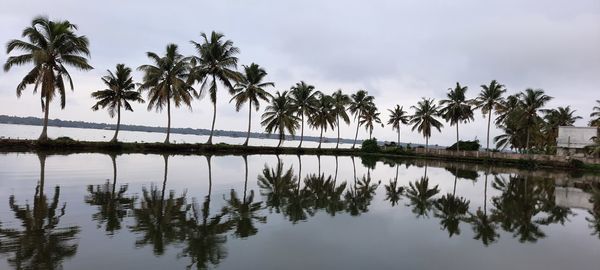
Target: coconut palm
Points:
(456, 108)
(119, 93)
(216, 62)
(340, 104)
(275, 185)
(420, 195)
(280, 116)
(483, 224)
(251, 89)
(323, 116)
(393, 193)
(51, 46)
(452, 209)
(595, 115)
(167, 81)
(369, 118)
(532, 101)
(425, 117)
(489, 101)
(361, 101)
(398, 116)
(304, 100)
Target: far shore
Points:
(68, 146)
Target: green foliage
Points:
(370, 146)
(466, 146)
(576, 163)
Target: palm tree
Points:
(340, 104)
(595, 115)
(217, 62)
(276, 184)
(392, 191)
(118, 94)
(361, 101)
(369, 118)
(489, 101)
(424, 118)
(323, 115)
(398, 116)
(532, 101)
(280, 116)
(51, 46)
(421, 196)
(167, 80)
(483, 225)
(554, 118)
(452, 209)
(456, 108)
(251, 89)
(304, 99)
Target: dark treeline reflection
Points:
(521, 207)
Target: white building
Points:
(572, 141)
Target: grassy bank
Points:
(68, 146)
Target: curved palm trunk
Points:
(164, 187)
(114, 139)
(321, 138)
(302, 132)
(280, 139)
(487, 147)
(168, 120)
(338, 130)
(212, 128)
(44, 135)
(356, 135)
(249, 123)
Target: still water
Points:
(97, 211)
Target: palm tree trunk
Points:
(246, 178)
(397, 167)
(168, 120)
(114, 164)
(321, 138)
(280, 139)
(212, 128)
(114, 139)
(208, 160)
(455, 179)
(338, 130)
(370, 133)
(302, 132)
(527, 142)
(485, 195)
(42, 158)
(457, 138)
(356, 135)
(487, 147)
(164, 187)
(398, 146)
(336, 171)
(249, 122)
(299, 172)
(44, 135)
(426, 144)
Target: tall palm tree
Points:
(398, 116)
(251, 89)
(280, 116)
(304, 99)
(167, 81)
(119, 93)
(595, 115)
(489, 101)
(369, 118)
(425, 117)
(456, 108)
(216, 62)
(361, 101)
(340, 104)
(323, 115)
(51, 46)
(532, 101)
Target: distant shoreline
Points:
(36, 121)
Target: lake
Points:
(135, 211)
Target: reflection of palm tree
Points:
(358, 197)
(483, 225)
(276, 184)
(205, 233)
(324, 193)
(451, 210)
(112, 204)
(41, 244)
(392, 191)
(420, 195)
(243, 213)
(298, 205)
(160, 219)
(594, 218)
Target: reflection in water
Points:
(41, 243)
(421, 196)
(359, 196)
(393, 193)
(160, 220)
(112, 204)
(451, 210)
(484, 226)
(594, 218)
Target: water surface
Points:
(97, 211)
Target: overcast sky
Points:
(399, 51)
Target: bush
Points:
(466, 146)
(576, 163)
(370, 146)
